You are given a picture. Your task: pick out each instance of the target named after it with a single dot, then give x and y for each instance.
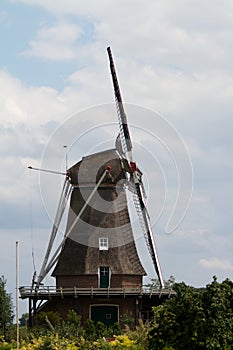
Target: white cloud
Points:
(176, 35)
(26, 115)
(56, 42)
(26, 104)
(216, 263)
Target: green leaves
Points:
(6, 307)
(195, 318)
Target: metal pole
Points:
(17, 295)
(65, 146)
(30, 313)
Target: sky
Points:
(174, 64)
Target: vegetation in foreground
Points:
(192, 319)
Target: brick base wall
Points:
(85, 281)
(82, 305)
(126, 281)
(88, 281)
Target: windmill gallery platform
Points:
(96, 266)
(108, 305)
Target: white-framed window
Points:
(104, 276)
(103, 243)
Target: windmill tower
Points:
(100, 250)
(96, 266)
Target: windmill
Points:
(97, 260)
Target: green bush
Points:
(195, 318)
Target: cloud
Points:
(177, 35)
(216, 264)
(21, 103)
(56, 42)
(24, 130)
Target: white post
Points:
(17, 295)
(66, 157)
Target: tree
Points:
(155, 284)
(6, 307)
(47, 320)
(218, 306)
(195, 318)
(72, 326)
(23, 319)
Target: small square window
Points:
(103, 243)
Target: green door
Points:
(108, 314)
(104, 277)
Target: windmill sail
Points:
(137, 175)
(124, 130)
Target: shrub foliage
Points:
(192, 319)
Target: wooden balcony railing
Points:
(47, 292)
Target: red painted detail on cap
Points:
(133, 166)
